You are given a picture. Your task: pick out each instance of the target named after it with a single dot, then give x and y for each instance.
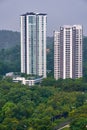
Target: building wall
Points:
(67, 51)
(33, 44)
(78, 53)
(70, 57)
(23, 44)
(56, 55)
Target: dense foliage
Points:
(10, 60)
(85, 56)
(50, 56)
(40, 107)
(9, 51)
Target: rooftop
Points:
(33, 13)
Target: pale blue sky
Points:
(59, 12)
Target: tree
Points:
(79, 124)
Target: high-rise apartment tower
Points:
(33, 43)
(68, 52)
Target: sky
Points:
(59, 13)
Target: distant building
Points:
(29, 82)
(68, 52)
(10, 74)
(33, 43)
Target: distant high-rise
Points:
(33, 43)
(68, 52)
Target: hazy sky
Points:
(59, 12)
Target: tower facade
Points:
(68, 52)
(33, 43)
(56, 54)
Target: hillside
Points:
(9, 39)
(10, 51)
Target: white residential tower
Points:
(68, 52)
(33, 43)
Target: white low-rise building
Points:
(29, 82)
